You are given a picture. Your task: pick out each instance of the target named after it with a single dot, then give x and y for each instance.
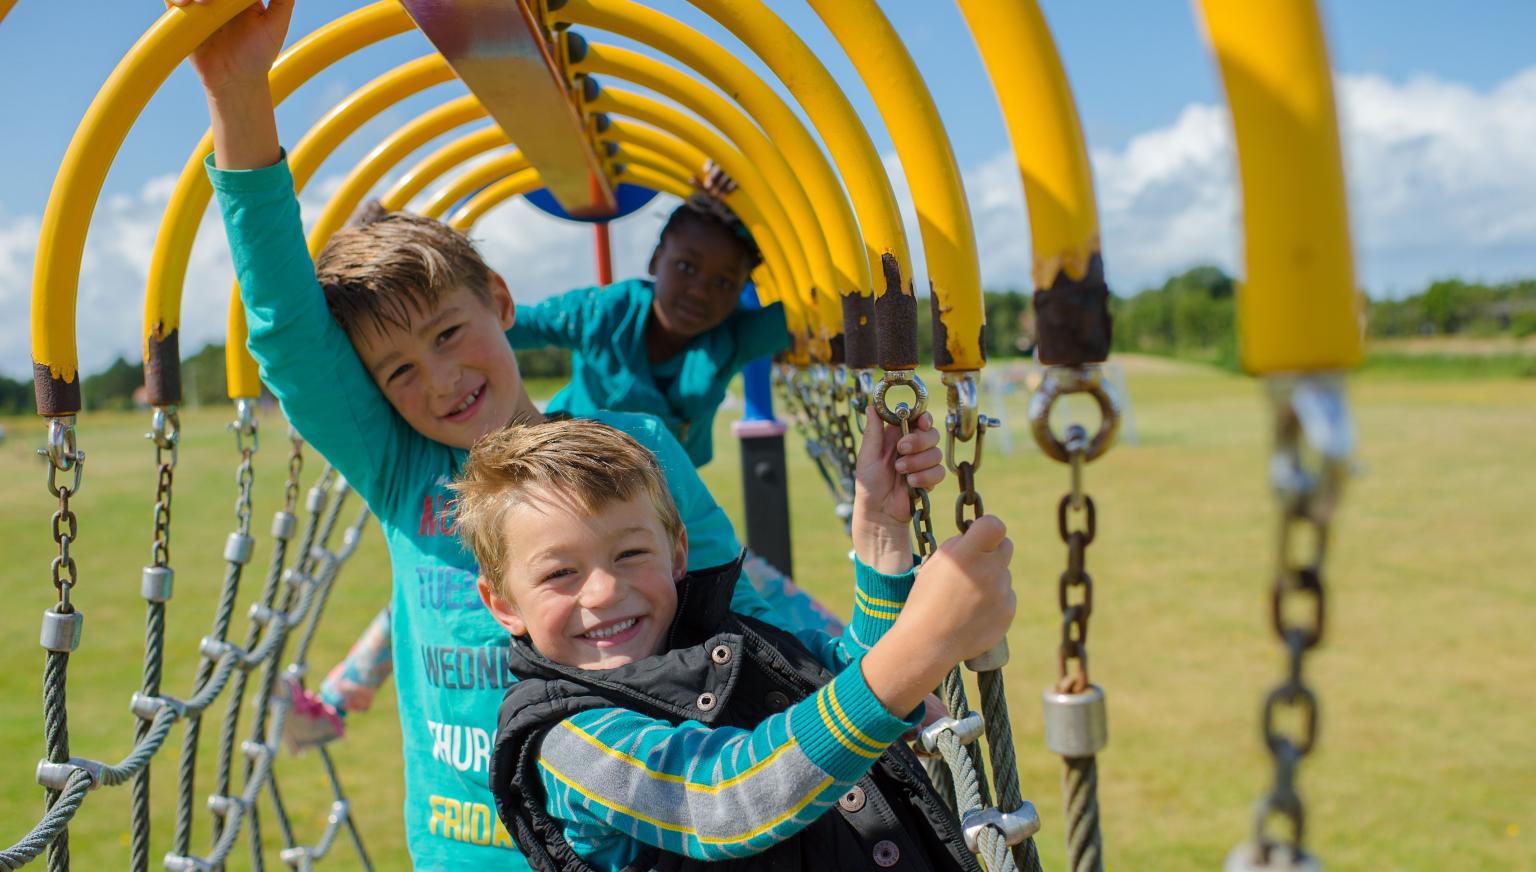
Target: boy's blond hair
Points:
(387, 267)
(587, 461)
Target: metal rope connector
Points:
(966, 730)
(1253, 857)
(1016, 826)
(1075, 723)
(156, 583)
(283, 525)
(146, 707)
(215, 649)
(184, 863)
(268, 617)
(61, 630)
(893, 378)
(55, 776)
(238, 548)
(222, 806)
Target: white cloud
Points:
(1442, 179)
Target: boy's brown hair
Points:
(587, 461)
(387, 267)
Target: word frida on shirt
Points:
(436, 515)
(467, 821)
(447, 589)
(458, 668)
(467, 749)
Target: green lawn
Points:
(1427, 758)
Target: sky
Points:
(1437, 105)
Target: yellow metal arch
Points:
(644, 146)
(1297, 309)
(472, 180)
(516, 184)
(657, 114)
(393, 149)
(1037, 104)
(61, 244)
(189, 199)
(943, 216)
(753, 145)
(818, 93)
(434, 165)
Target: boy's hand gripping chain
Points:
(1075, 719)
(1314, 439)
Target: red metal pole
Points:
(604, 253)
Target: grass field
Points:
(1428, 751)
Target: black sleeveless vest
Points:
(891, 819)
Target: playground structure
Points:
(835, 254)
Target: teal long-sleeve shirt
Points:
(450, 655)
(610, 367)
(619, 780)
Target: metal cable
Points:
(968, 795)
(52, 824)
(56, 737)
(1080, 786)
(954, 699)
(1005, 766)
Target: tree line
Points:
(1190, 315)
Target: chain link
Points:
(166, 436)
(295, 470)
(917, 499)
(1074, 588)
(63, 456)
(1314, 438)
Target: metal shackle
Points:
(1076, 724)
(1057, 383)
(893, 378)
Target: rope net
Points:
(301, 573)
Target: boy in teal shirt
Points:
(391, 363)
(670, 345)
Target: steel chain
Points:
(917, 499)
(1074, 588)
(1297, 613)
(63, 456)
(295, 470)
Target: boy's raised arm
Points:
(305, 358)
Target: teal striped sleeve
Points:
(877, 602)
(305, 357)
(620, 780)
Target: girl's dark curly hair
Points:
(708, 211)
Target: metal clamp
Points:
(147, 707)
(266, 616)
(186, 863)
(222, 806)
(283, 525)
(1060, 381)
(966, 730)
(61, 630)
(238, 548)
(256, 751)
(1076, 724)
(993, 659)
(156, 583)
(55, 776)
(1016, 826)
(1257, 857)
(216, 649)
(893, 378)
